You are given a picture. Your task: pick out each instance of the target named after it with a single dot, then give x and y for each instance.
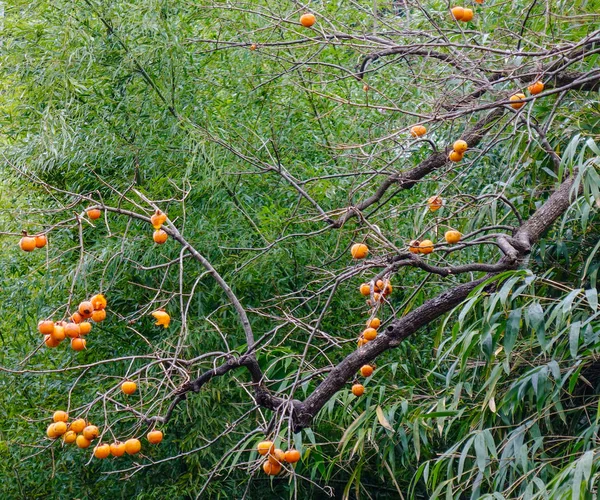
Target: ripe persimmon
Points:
(78, 344)
(58, 334)
(82, 441)
(98, 302)
(50, 341)
(366, 370)
(160, 236)
(455, 157)
(41, 241)
(426, 246)
(94, 213)
(413, 246)
(76, 318)
(102, 451)
(99, 315)
(85, 327)
(292, 456)
(51, 432)
(117, 449)
(365, 87)
(379, 286)
(457, 13)
(308, 19)
(86, 308)
(452, 236)
(517, 100)
(362, 342)
(388, 289)
(133, 446)
(60, 416)
(435, 203)
(253, 46)
(365, 289)
(358, 390)
(418, 131)
(128, 387)
(370, 334)
(377, 297)
(27, 243)
(60, 428)
(69, 437)
(359, 251)
(536, 88)
(460, 146)
(271, 469)
(158, 219)
(155, 437)
(77, 425)
(264, 447)
(46, 327)
(72, 330)
(276, 456)
(162, 318)
(91, 432)
(374, 323)
(467, 15)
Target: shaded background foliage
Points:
(499, 397)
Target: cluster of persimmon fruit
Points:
(30, 243)
(517, 99)
(462, 13)
(83, 433)
(78, 325)
(157, 220)
(451, 236)
(370, 333)
(276, 457)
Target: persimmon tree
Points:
(217, 165)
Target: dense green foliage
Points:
(99, 98)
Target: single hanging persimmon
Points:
(59, 333)
(69, 437)
(98, 302)
(99, 315)
(86, 309)
(536, 88)
(133, 446)
(72, 330)
(41, 241)
(27, 243)
(50, 341)
(467, 15)
(265, 447)
(78, 425)
(374, 323)
(358, 390)
(60, 428)
(271, 469)
(426, 246)
(365, 87)
(91, 432)
(253, 46)
(85, 327)
(51, 432)
(292, 456)
(435, 203)
(46, 327)
(76, 317)
(517, 100)
(158, 219)
(460, 146)
(359, 251)
(452, 236)
(370, 334)
(102, 451)
(162, 318)
(413, 246)
(128, 387)
(78, 344)
(365, 289)
(457, 12)
(160, 236)
(388, 289)
(117, 449)
(455, 157)
(366, 370)
(155, 437)
(307, 20)
(60, 416)
(94, 213)
(418, 131)
(82, 441)
(276, 456)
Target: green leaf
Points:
(513, 324)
